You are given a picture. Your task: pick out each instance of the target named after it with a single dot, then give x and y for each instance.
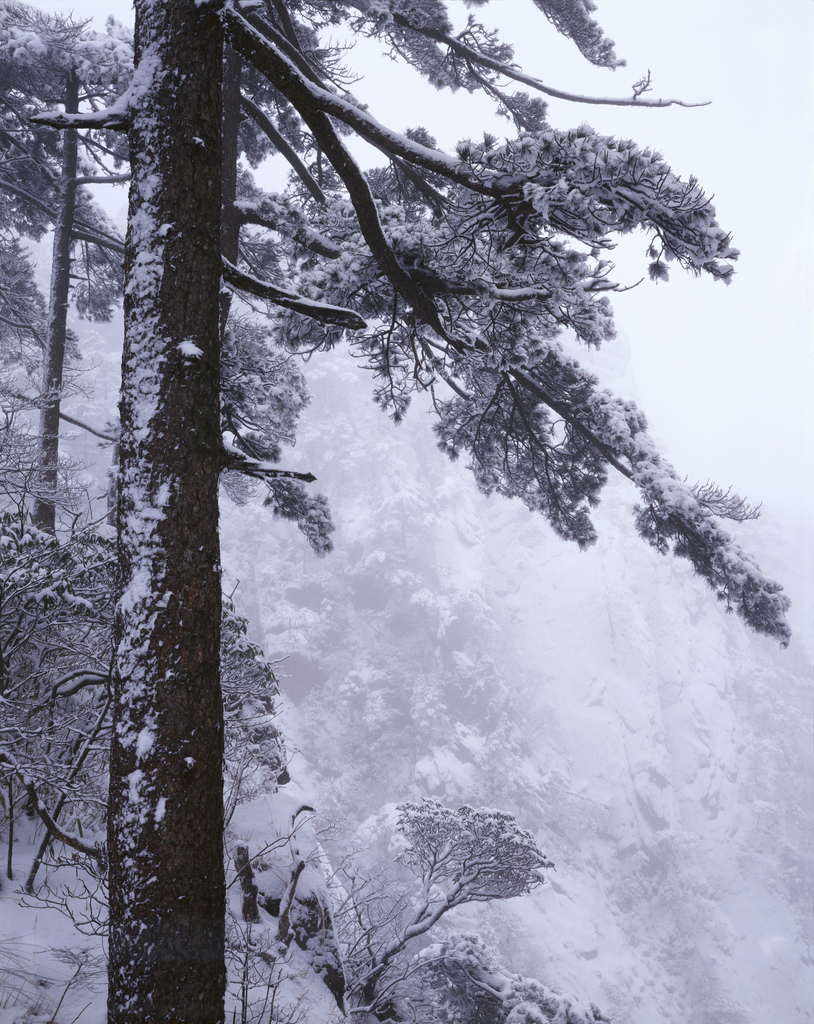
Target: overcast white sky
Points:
(724, 374)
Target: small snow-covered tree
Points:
(456, 857)
(406, 960)
(459, 981)
(22, 309)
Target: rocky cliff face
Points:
(677, 752)
(452, 647)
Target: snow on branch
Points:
(462, 980)
(674, 511)
(80, 235)
(107, 179)
(98, 853)
(590, 186)
(557, 467)
(273, 212)
(288, 499)
(72, 683)
(572, 18)
(113, 118)
(322, 311)
(117, 116)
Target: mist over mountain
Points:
(451, 647)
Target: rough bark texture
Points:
(248, 886)
(54, 360)
(165, 826)
(230, 223)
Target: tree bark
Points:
(10, 856)
(165, 821)
(54, 359)
(230, 222)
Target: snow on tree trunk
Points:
(54, 361)
(167, 895)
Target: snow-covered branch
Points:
(478, 57)
(113, 118)
(68, 838)
(322, 311)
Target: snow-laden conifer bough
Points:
(449, 273)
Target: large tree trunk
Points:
(54, 358)
(165, 826)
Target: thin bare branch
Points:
(509, 71)
(283, 147)
(91, 430)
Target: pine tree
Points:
(451, 273)
(46, 60)
(22, 309)
(166, 801)
(165, 816)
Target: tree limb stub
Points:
(262, 470)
